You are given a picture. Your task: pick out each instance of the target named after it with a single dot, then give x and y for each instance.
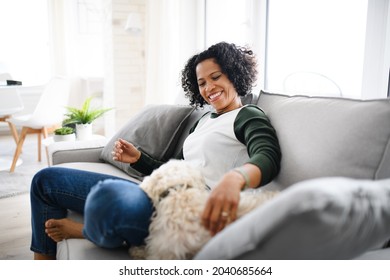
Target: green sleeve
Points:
(253, 128)
(146, 164)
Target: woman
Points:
(117, 211)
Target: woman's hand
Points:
(221, 207)
(124, 151)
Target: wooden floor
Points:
(15, 226)
(15, 231)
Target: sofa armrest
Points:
(76, 151)
(76, 155)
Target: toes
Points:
(51, 223)
(56, 236)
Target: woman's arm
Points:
(253, 129)
(126, 152)
(146, 164)
(221, 207)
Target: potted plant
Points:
(81, 118)
(64, 134)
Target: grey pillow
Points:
(324, 137)
(155, 130)
(327, 218)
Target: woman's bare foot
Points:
(61, 229)
(38, 256)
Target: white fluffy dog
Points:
(179, 194)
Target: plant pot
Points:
(84, 131)
(67, 137)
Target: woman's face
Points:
(215, 87)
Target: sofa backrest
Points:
(329, 137)
(324, 136)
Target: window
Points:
(24, 48)
(85, 38)
(238, 22)
(316, 46)
(229, 21)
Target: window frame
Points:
(376, 58)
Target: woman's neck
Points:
(235, 104)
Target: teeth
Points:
(215, 95)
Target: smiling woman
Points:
(244, 130)
(215, 87)
(235, 65)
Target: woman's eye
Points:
(216, 77)
(201, 85)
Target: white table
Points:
(11, 102)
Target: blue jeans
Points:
(116, 211)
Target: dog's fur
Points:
(179, 194)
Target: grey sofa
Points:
(334, 180)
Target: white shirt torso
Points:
(214, 148)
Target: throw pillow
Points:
(325, 136)
(155, 130)
(326, 218)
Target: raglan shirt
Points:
(220, 142)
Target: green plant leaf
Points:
(83, 115)
(63, 131)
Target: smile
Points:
(214, 96)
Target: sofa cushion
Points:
(99, 167)
(322, 137)
(379, 254)
(82, 249)
(327, 218)
(156, 130)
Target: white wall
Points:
(145, 68)
(174, 32)
(124, 62)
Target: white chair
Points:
(310, 83)
(47, 116)
(10, 104)
(5, 76)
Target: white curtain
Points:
(174, 32)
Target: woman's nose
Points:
(210, 87)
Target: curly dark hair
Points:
(237, 63)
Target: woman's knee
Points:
(114, 210)
(40, 180)
(100, 196)
(118, 196)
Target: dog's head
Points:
(175, 175)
